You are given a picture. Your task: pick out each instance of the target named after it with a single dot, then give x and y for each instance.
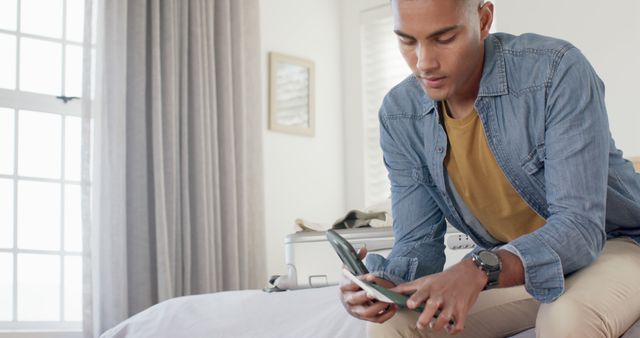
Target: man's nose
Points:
(426, 60)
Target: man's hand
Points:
(363, 306)
(452, 292)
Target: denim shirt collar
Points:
(494, 77)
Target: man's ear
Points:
(486, 19)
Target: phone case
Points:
(347, 253)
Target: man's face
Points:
(442, 42)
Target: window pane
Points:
(6, 213)
(383, 68)
(73, 288)
(40, 74)
(38, 215)
(75, 20)
(38, 287)
(6, 286)
(8, 61)
(73, 76)
(72, 218)
(41, 17)
(8, 14)
(6, 141)
(72, 147)
(39, 143)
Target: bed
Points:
(315, 312)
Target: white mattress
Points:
(250, 313)
(254, 313)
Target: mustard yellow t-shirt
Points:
(481, 183)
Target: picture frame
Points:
(291, 94)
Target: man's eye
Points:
(445, 40)
(406, 41)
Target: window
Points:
(382, 68)
(40, 161)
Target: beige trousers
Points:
(601, 300)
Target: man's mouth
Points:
(432, 81)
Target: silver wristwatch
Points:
(490, 263)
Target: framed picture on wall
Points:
(291, 94)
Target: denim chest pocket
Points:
(533, 166)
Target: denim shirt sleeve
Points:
(418, 222)
(575, 164)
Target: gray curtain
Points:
(176, 192)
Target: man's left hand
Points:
(452, 293)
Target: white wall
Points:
(304, 176)
(608, 33)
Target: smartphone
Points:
(355, 267)
(347, 253)
(380, 293)
(385, 295)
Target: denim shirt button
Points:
(439, 149)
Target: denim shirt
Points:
(543, 111)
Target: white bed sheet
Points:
(250, 313)
(254, 313)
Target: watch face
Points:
(489, 258)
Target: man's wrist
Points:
(480, 276)
(512, 269)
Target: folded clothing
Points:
(376, 216)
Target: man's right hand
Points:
(363, 306)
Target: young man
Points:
(507, 138)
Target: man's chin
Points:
(435, 94)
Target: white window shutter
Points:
(382, 68)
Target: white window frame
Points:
(354, 118)
(354, 14)
(376, 82)
(61, 333)
(18, 100)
